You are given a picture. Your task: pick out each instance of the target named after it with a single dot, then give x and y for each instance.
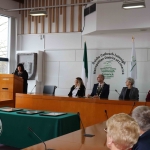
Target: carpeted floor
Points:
(4, 147)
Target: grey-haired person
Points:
(141, 114)
(129, 92)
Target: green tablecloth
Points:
(15, 128)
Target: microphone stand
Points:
(106, 113)
(32, 89)
(85, 134)
(39, 138)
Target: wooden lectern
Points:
(10, 84)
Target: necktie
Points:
(98, 89)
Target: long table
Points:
(15, 131)
(92, 111)
(76, 140)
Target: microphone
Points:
(33, 89)
(106, 114)
(85, 134)
(39, 138)
(132, 108)
(117, 91)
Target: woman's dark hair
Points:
(20, 65)
(80, 80)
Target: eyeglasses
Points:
(105, 130)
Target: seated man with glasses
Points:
(122, 132)
(101, 89)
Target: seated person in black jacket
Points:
(101, 89)
(77, 90)
(22, 74)
(141, 114)
(129, 92)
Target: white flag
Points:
(133, 69)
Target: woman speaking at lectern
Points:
(20, 72)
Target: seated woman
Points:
(78, 89)
(129, 92)
(122, 132)
(22, 74)
(141, 114)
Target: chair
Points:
(49, 89)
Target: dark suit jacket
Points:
(134, 94)
(80, 93)
(143, 142)
(104, 93)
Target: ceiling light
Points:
(131, 5)
(38, 12)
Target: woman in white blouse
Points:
(78, 89)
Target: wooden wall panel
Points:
(61, 7)
(64, 16)
(57, 17)
(35, 19)
(42, 19)
(53, 9)
(53, 15)
(50, 17)
(29, 17)
(79, 17)
(22, 19)
(92, 111)
(33, 4)
(72, 17)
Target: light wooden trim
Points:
(25, 5)
(47, 4)
(33, 4)
(22, 19)
(19, 8)
(39, 18)
(80, 17)
(60, 7)
(42, 19)
(53, 17)
(35, 20)
(64, 16)
(72, 17)
(57, 18)
(50, 17)
(29, 17)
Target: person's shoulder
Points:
(105, 84)
(25, 71)
(82, 86)
(95, 84)
(135, 89)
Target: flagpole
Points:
(133, 38)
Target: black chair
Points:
(49, 89)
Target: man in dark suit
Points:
(101, 89)
(141, 114)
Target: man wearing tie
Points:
(101, 89)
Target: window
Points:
(3, 44)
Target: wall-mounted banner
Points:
(106, 59)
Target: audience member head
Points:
(20, 67)
(129, 82)
(100, 78)
(142, 116)
(122, 132)
(78, 82)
